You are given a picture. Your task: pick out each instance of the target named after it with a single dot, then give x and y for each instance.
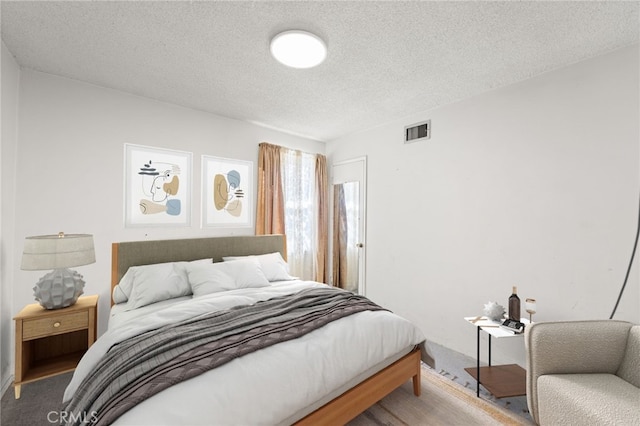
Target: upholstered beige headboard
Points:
(135, 253)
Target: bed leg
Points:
(417, 388)
(416, 385)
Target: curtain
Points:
(339, 237)
(270, 208)
(322, 263)
(352, 218)
(346, 236)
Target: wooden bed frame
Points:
(339, 410)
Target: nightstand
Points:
(51, 342)
(501, 380)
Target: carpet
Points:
(39, 404)
(443, 402)
(451, 364)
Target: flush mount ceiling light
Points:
(298, 49)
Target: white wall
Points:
(10, 73)
(534, 185)
(69, 173)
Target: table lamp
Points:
(61, 287)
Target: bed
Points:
(337, 365)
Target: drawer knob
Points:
(56, 324)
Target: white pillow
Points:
(206, 279)
(154, 284)
(247, 273)
(275, 268)
(145, 284)
(122, 291)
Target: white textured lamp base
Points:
(59, 288)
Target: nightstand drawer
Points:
(33, 329)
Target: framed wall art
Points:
(157, 186)
(226, 192)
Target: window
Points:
(300, 211)
(292, 199)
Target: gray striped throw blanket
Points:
(142, 366)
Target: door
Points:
(349, 224)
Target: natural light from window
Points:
(298, 182)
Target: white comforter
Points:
(276, 385)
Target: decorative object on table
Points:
(157, 186)
(61, 287)
(513, 326)
(227, 192)
(530, 307)
(494, 311)
(514, 305)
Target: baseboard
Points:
(6, 383)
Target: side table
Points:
(51, 342)
(501, 380)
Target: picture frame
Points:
(157, 186)
(227, 192)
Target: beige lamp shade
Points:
(61, 287)
(57, 251)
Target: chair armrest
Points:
(572, 347)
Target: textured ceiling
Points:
(386, 60)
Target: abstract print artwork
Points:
(157, 186)
(226, 191)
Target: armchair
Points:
(583, 372)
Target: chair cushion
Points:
(587, 399)
(630, 367)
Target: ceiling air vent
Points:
(417, 132)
